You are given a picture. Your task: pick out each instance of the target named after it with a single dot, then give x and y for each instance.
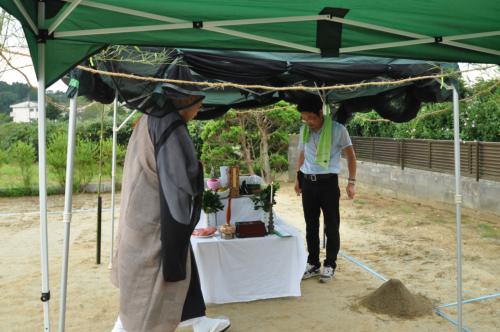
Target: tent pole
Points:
(458, 209)
(126, 120)
(26, 16)
(42, 181)
(113, 178)
(68, 196)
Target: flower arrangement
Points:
(262, 199)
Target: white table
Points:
(250, 269)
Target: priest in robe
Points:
(154, 267)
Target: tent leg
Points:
(42, 181)
(113, 179)
(458, 208)
(68, 196)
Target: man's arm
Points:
(351, 166)
(300, 161)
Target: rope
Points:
(222, 85)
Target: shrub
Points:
(56, 156)
(107, 154)
(85, 163)
(3, 157)
(24, 155)
(12, 132)
(21, 191)
(479, 118)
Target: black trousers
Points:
(321, 195)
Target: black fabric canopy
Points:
(398, 103)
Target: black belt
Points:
(319, 177)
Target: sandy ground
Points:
(398, 238)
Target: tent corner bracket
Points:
(45, 297)
(197, 24)
(438, 39)
(43, 36)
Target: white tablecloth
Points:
(250, 269)
(242, 209)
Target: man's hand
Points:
(298, 190)
(350, 190)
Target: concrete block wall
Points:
(420, 184)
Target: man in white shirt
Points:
(321, 142)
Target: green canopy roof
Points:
(441, 30)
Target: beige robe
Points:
(147, 302)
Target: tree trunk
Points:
(262, 124)
(244, 143)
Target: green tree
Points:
(52, 112)
(218, 149)
(256, 140)
(7, 98)
(5, 118)
(23, 155)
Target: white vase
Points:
(224, 176)
(211, 220)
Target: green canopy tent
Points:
(61, 34)
(432, 30)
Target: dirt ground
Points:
(403, 239)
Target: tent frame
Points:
(68, 199)
(42, 178)
(458, 205)
(215, 27)
(113, 172)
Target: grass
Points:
(359, 202)
(489, 231)
(439, 221)
(366, 219)
(10, 176)
(406, 209)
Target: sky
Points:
(22, 61)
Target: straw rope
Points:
(222, 85)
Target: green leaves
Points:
(211, 202)
(479, 118)
(262, 200)
(56, 156)
(235, 139)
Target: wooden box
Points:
(250, 229)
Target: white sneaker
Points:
(118, 326)
(311, 271)
(206, 324)
(189, 322)
(327, 274)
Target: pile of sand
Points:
(393, 298)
